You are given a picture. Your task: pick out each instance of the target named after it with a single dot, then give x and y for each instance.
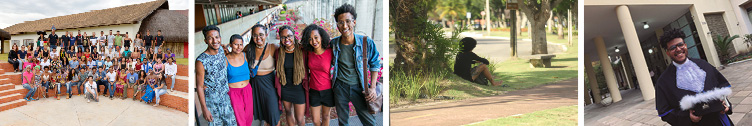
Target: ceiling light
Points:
(646, 26)
(616, 49)
(650, 51)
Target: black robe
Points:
(668, 96)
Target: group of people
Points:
(84, 62)
(238, 84)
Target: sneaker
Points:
(87, 101)
(27, 99)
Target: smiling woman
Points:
(72, 62)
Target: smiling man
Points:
(691, 91)
(348, 80)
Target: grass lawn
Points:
(562, 116)
(517, 74)
(181, 61)
(4, 57)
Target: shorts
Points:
(323, 97)
(293, 93)
(480, 79)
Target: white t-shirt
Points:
(112, 76)
(171, 69)
(91, 85)
(54, 54)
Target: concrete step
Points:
(15, 78)
(11, 97)
(6, 86)
(18, 89)
(182, 70)
(12, 104)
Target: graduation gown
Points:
(669, 97)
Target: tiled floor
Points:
(632, 110)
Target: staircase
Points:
(11, 91)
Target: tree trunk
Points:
(539, 37)
(560, 28)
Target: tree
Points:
(421, 45)
(451, 10)
(538, 13)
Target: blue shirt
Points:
(374, 58)
(73, 64)
(102, 75)
(132, 77)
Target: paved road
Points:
(498, 48)
(106, 112)
(468, 111)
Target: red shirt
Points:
(320, 66)
(138, 66)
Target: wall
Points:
(130, 28)
(227, 29)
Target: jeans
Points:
(31, 89)
(57, 85)
(343, 94)
(53, 46)
(91, 96)
(68, 86)
(105, 83)
(14, 63)
(112, 88)
(172, 85)
(159, 92)
(20, 63)
(46, 86)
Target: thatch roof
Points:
(173, 23)
(4, 35)
(129, 14)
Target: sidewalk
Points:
(643, 112)
(106, 112)
(563, 93)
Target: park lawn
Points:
(181, 61)
(4, 57)
(562, 116)
(517, 74)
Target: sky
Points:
(17, 11)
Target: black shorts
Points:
(293, 93)
(324, 97)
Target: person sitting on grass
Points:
(466, 58)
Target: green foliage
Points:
(414, 86)
(723, 45)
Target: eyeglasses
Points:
(286, 37)
(342, 23)
(674, 47)
(258, 35)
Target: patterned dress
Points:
(215, 80)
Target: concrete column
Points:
(635, 50)
(608, 70)
(628, 79)
(593, 81)
(703, 31)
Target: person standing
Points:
(266, 94)
(53, 39)
(158, 40)
(211, 81)
(321, 98)
(148, 40)
(238, 77)
(690, 91)
(291, 71)
(348, 77)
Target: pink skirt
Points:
(242, 103)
